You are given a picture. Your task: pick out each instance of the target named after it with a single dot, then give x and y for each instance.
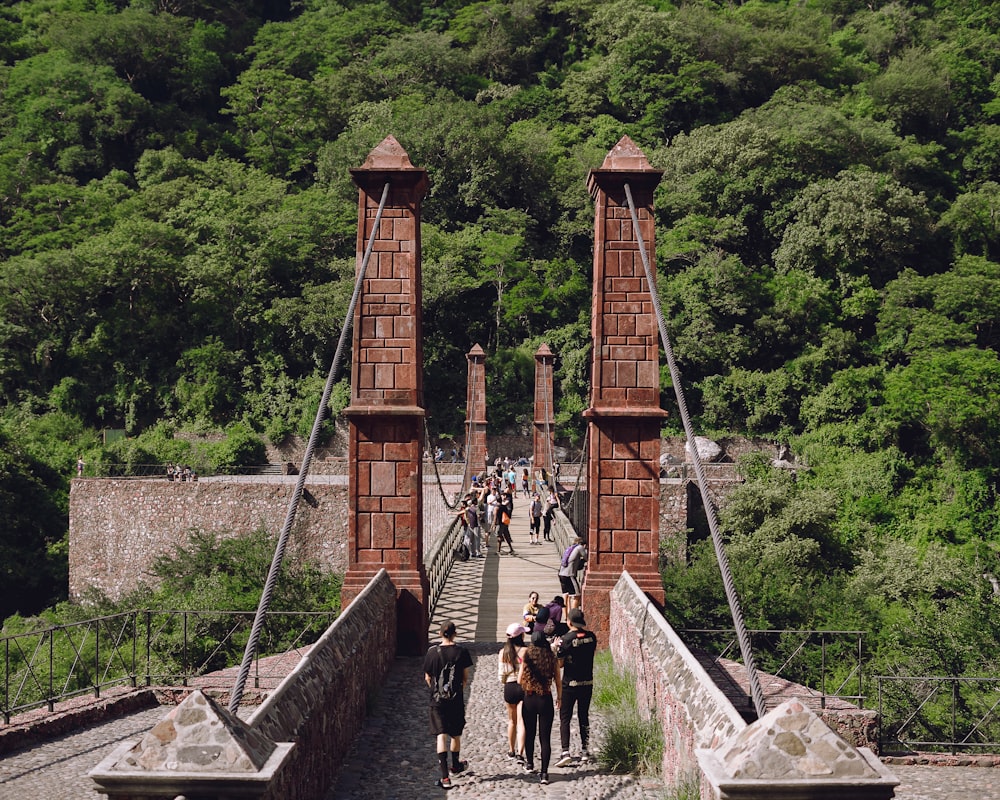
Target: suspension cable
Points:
(250, 651)
(451, 504)
(756, 693)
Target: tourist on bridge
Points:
(504, 510)
(535, 515)
(549, 512)
(531, 608)
(525, 482)
(475, 539)
(446, 672)
(575, 651)
(556, 611)
(539, 672)
(573, 560)
(508, 670)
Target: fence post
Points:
(6, 682)
(822, 641)
(954, 715)
(97, 659)
(184, 648)
(149, 644)
(135, 634)
(52, 639)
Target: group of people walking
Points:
(486, 511)
(546, 663)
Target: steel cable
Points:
(756, 693)
(293, 503)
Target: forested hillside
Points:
(177, 234)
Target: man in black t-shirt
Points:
(576, 651)
(448, 715)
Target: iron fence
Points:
(142, 647)
(937, 713)
(811, 666)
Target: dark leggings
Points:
(538, 713)
(580, 695)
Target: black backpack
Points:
(446, 687)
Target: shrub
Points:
(631, 743)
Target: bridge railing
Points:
(938, 714)
(165, 647)
(813, 666)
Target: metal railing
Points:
(938, 713)
(140, 647)
(813, 666)
(439, 560)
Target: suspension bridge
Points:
(308, 737)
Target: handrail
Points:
(439, 562)
(172, 646)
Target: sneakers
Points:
(544, 779)
(529, 767)
(585, 758)
(565, 759)
(511, 756)
(519, 758)
(462, 767)
(444, 783)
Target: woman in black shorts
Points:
(509, 667)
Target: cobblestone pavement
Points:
(394, 757)
(57, 770)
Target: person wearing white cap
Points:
(508, 667)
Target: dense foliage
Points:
(177, 235)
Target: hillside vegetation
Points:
(177, 237)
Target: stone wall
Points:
(118, 527)
(693, 711)
(321, 706)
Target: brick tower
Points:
(475, 410)
(624, 415)
(386, 415)
(543, 436)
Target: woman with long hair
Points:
(508, 669)
(539, 671)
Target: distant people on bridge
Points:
(549, 512)
(573, 560)
(508, 670)
(530, 609)
(80, 464)
(575, 651)
(446, 672)
(438, 454)
(535, 518)
(472, 522)
(504, 510)
(539, 673)
(525, 482)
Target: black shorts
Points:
(448, 717)
(570, 586)
(512, 693)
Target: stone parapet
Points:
(692, 710)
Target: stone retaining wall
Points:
(692, 710)
(118, 527)
(321, 705)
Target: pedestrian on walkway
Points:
(549, 512)
(573, 560)
(525, 482)
(535, 513)
(530, 609)
(539, 672)
(504, 511)
(575, 652)
(509, 667)
(446, 672)
(475, 537)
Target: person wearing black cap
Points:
(539, 670)
(446, 672)
(575, 651)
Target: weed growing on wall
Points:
(632, 742)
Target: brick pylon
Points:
(386, 415)
(475, 410)
(543, 436)
(624, 415)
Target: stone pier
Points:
(543, 431)
(386, 415)
(624, 415)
